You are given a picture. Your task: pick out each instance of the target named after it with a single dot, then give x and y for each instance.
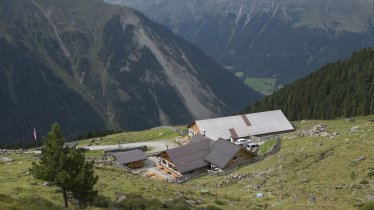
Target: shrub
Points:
(30, 203)
(179, 203)
(138, 202)
(102, 201)
(367, 206)
(212, 207)
(219, 202)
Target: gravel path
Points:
(155, 146)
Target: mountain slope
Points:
(285, 39)
(94, 66)
(345, 88)
(309, 172)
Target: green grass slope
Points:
(307, 173)
(132, 136)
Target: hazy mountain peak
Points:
(278, 39)
(94, 66)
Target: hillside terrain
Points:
(309, 172)
(94, 66)
(344, 88)
(285, 40)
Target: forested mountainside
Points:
(341, 89)
(93, 66)
(280, 39)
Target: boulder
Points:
(361, 158)
(191, 202)
(355, 129)
(305, 179)
(317, 130)
(312, 198)
(370, 197)
(121, 198)
(6, 159)
(325, 134)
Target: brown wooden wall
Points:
(194, 127)
(136, 164)
(246, 155)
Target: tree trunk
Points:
(65, 198)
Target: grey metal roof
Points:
(199, 137)
(222, 152)
(130, 156)
(190, 157)
(251, 125)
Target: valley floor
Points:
(308, 173)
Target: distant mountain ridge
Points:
(94, 66)
(341, 89)
(283, 39)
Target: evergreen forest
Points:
(341, 89)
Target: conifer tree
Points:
(66, 168)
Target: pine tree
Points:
(66, 168)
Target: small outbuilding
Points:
(224, 154)
(132, 159)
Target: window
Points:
(163, 162)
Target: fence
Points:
(273, 150)
(188, 177)
(117, 164)
(100, 160)
(263, 138)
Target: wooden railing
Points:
(188, 177)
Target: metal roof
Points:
(190, 157)
(222, 152)
(130, 156)
(251, 125)
(200, 137)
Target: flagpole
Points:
(35, 139)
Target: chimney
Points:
(167, 146)
(203, 132)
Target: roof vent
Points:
(182, 163)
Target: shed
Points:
(224, 154)
(131, 159)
